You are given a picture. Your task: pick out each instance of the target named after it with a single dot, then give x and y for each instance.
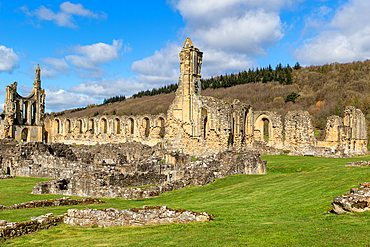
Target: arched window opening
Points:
(25, 112)
(147, 126)
(231, 135)
(91, 125)
(246, 123)
(56, 126)
(33, 113)
(161, 124)
(262, 128)
(131, 126)
(68, 126)
(204, 117)
(17, 112)
(117, 126)
(103, 126)
(24, 135)
(80, 125)
(266, 134)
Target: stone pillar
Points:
(21, 111)
(29, 115)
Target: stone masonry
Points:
(148, 215)
(117, 170)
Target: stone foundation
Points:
(6, 176)
(53, 203)
(358, 164)
(16, 229)
(148, 215)
(155, 174)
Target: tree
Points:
(291, 97)
(297, 66)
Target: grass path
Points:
(283, 208)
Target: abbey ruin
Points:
(194, 124)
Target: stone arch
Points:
(91, 125)
(204, 120)
(80, 125)
(146, 125)
(117, 126)
(262, 128)
(103, 126)
(131, 124)
(25, 135)
(68, 126)
(56, 126)
(161, 124)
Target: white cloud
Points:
(160, 69)
(77, 9)
(93, 56)
(65, 16)
(217, 62)
(59, 99)
(346, 37)
(52, 66)
(8, 59)
(229, 32)
(163, 67)
(108, 88)
(242, 26)
(249, 34)
(2, 107)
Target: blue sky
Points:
(91, 50)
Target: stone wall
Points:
(299, 133)
(52, 203)
(171, 172)
(148, 215)
(16, 229)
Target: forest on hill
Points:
(321, 90)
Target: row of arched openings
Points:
(116, 126)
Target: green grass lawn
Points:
(283, 208)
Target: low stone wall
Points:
(53, 203)
(147, 215)
(6, 176)
(16, 229)
(358, 200)
(358, 163)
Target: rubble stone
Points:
(148, 215)
(53, 203)
(358, 200)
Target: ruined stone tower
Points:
(25, 115)
(185, 107)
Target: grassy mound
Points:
(283, 208)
